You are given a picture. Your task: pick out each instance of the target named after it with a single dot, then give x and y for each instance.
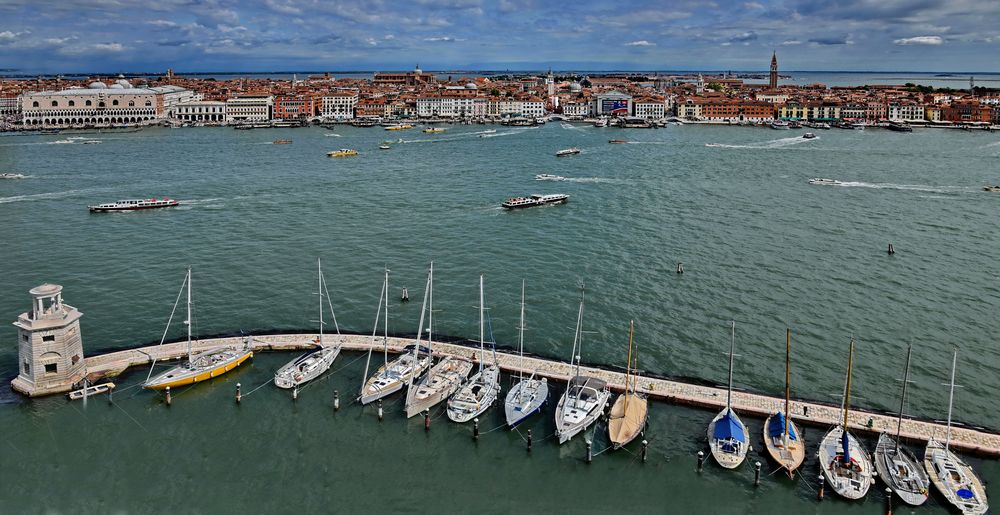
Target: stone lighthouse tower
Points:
(50, 347)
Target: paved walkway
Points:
(971, 440)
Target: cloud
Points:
(791, 42)
(830, 40)
(388, 37)
(751, 6)
(641, 42)
(745, 37)
(7, 36)
(285, 7)
(108, 47)
(920, 40)
(443, 39)
(162, 23)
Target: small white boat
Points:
(487, 132)
(825, 182)
(90, 391)
(809, 135)
(567, 152)
(780, 125)
(602, 122)
(549, 177)
(11, 175)
(993, 189)
(845, 463)
(92, 142)
(384, 147)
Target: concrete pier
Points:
(970, 440)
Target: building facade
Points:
(250, 108)
(339, 106)
(201, 111)
(98, 105)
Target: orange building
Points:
(290, 107)
(966, 111)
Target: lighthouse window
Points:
(27, 368)
(51, 368)
(49, 338)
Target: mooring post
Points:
(645, 443)
(168, 396)
(380, 410)
(475, 429)
(239, 393)
(822, 486)
(680, 268)
(756, 474)
(529, 440)
(336, 400)
(701, 460)
(295, 393)
(427, 420)
(888, 501)
(109, 395)
(590, 451)
(891, 250)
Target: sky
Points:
(73, 36)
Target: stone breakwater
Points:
(675, 391)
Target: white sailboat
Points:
(585, 397)
(197, 367)
(896, 465)
(311, 365)
(444, 378)
(393, 375)
(843, 459)
(482, 389)
(727, 435)
(527, 396)
(952, 476)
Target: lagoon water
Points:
(759, 245)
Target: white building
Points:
(10, 106)
(581, 109)
(249, 108)
(339, 105)
(451, 107)
(905, 112)
(201, 111)
(533, 107)
(98, 105)
(650, 109)
(174, 95)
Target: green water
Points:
(759, 245)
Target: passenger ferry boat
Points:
(434, 129)
(133, 205)
(344, 152)
(780, 125)
(567, 152)
(534, 200)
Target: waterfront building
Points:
(612, 103)
(853, 112)
(50, 346)
(10, 105)
(773, 77)
(731, 110)
(250, 108)
(453, 106)
(533, 107)
(905, 112)
(689, 109)
(793, 111)
(339, 105)
(824, 112)
(932, 113)
(650, 108)
(210, 111)
(97, 105)
(577, 109)
(415, 78)
(295, 107)
(173, 96)
(964, 111)
(370, 108)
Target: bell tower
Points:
(49, 344)
(773, 83)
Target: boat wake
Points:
(775, 143)
(905, 187)
(44, 196)
(332, 135)
(571, 127)
(601, 180)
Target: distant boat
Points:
(627, 419)
(11, 175)
(282, 142)
(198, 367)
(952, 476)
(825, 182)
(487, 132)
(134, 205)
(617, 141)
(567, 152)
(896, 465)
(843, 460)
(601, 122)
(899, 127)
(384, 147)
(311, 365)
(344, 152)
(780, 125)
(434, 130)
(809, 135)
(399, 127)
(992, 188)
(529, 394)
(480, 391)
(783, 440)
(92, 142)
(534, 200)
(585, 397)
(727, 435)
(549, 177)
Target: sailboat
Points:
(444, 378)
(727, 435)
(482, 389)
(393, 375)
(585, 397)
(896, 465)
(198, 367)
(783, 440)
(843, 459)
(952, 476)
(528, 395)
(630, 410)
(311, 365)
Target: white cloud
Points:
(387, 37)
(920, 40)
(108, 47)
(752, 5)
(443, 39)
(161, 23)
(7, 35)
(282, 7)
(791, 42)
(641, 42)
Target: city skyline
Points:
(289, 35)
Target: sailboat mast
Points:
(902, 399)
(732, 350)
(385, 334)
(319, 289)
(578, 339)
(628, 362)
(371, 348)
(788, 378)
(189, 314)
(520, 336)
(951, 398)
(430, 311)
(847, 387)
(482, 323)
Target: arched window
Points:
(114, 102)
(34, 104)
(55, 103)
(131, 103)
(89, 103)
(72, 103)
(100, 104)
(148, 103)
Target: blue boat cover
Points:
(846, 443)
(776, 427)
(965, 493)
(728, 427)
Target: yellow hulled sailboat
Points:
(198, 367)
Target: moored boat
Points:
(89, 391)
(780, 125)
(311, 365)
(845, 463)
(728, 437)
(133, 205)
(529, 394)
(896, 465)
(480, 391)
(783, 440)
(534, 200)
(567, 152)
(585, 397)
(627, 419)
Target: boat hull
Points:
(305, 368)
(391, 377)
(727, 455)
(182, 376)
(437, 385)
(789, 455)
(524, 400)
(574, 415)
(627, 420)
(850, 482)
(98, 209)
(900, 470)
(475, 396)
(950, 474)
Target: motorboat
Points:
(432, 130)
(601, 122)
(487, 132)
(780, 125)
(344, 152)
(794, 124)
(858, 126)
(92, 142)
(399, 127)
(567, 152)
(549, 177)
(133, 205)
(617, 141)
(809, 135)
(384, 147)
(994, 188)
(899, 127)
(534, 200)
(282, 142)
(9, 175)
(825, 182)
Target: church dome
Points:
(575, 87)
(116, 86)
(98, 85)
(471, 85)
(123, 83)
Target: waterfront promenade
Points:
(675, 391)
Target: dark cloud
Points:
(830, 40)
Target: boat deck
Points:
(675, 391)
